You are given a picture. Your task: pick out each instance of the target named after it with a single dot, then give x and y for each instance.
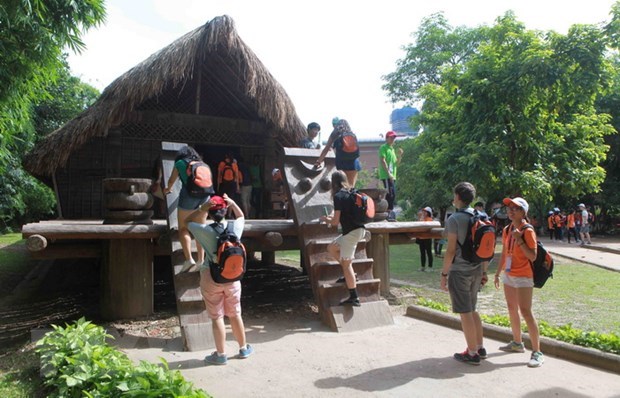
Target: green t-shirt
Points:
(389, 153)
(181, 166)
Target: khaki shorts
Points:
(348, 243)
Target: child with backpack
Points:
(343, 247)
(196, 188)
(519, 250)
(221, 299)
(344, 142)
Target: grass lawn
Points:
(579, 294)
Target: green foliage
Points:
(77, 362)
(34, 34)
(513, 111)
(22, 197)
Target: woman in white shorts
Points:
(519, 249)
(343, 247)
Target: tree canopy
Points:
(509, 109)
(33, 36)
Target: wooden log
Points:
(127, 279)
(379, 250)
(36, 243)
(274, 238)
(96, 230)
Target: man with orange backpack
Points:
(228, 177)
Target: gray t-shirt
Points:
(458, 223)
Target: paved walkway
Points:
(604, 252)
(412, 358)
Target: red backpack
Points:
(199, 179)
(363, 207)
(347, 146)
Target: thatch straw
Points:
(174, 65)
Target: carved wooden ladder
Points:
(193, 318)
(309, 194)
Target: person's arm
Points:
(448, 259)
(527, 245)
(234, 207)
(173, 178)
(399, 155)
(328, 146)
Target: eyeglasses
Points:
(514, 208)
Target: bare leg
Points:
(238, 329)
(219, 334)
(184, 236)
(347, 271)
(468, 324)
(512, 301)
(351, 177)
(525, 306)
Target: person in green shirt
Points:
(389, 159)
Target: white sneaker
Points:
(536, 360)
(187, 264)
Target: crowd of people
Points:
(562, 225)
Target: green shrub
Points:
(76, 361)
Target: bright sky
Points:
(328, 55)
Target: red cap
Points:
(390, 134)
(217, 203)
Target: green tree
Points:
(515, 116)
(22, 197)
(33, 35)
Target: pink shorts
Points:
(220, 298)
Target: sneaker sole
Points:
(467, 362)
(215, 363)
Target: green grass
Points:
(19, 375)
(14, 262)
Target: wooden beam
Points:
(93, 231)
(200, 121)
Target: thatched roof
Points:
(249, 92)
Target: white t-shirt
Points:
(584, 217)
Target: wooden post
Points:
(127, 279)
(379, 250)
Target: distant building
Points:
(400, 122)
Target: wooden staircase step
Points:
(331, 294)
(369, 315)
(331, 270)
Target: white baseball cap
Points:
(428, 209)
(519, 202)
(581, 205)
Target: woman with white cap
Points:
(426, 245)
(519, 249)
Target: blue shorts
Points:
(187, 202)
(348, 164)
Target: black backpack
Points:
(542, 266)
(479, 243)
(199, 179)
(230, 255)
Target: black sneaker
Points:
(342, 280)
(466, 358)
(355, 302)
(483, 353)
